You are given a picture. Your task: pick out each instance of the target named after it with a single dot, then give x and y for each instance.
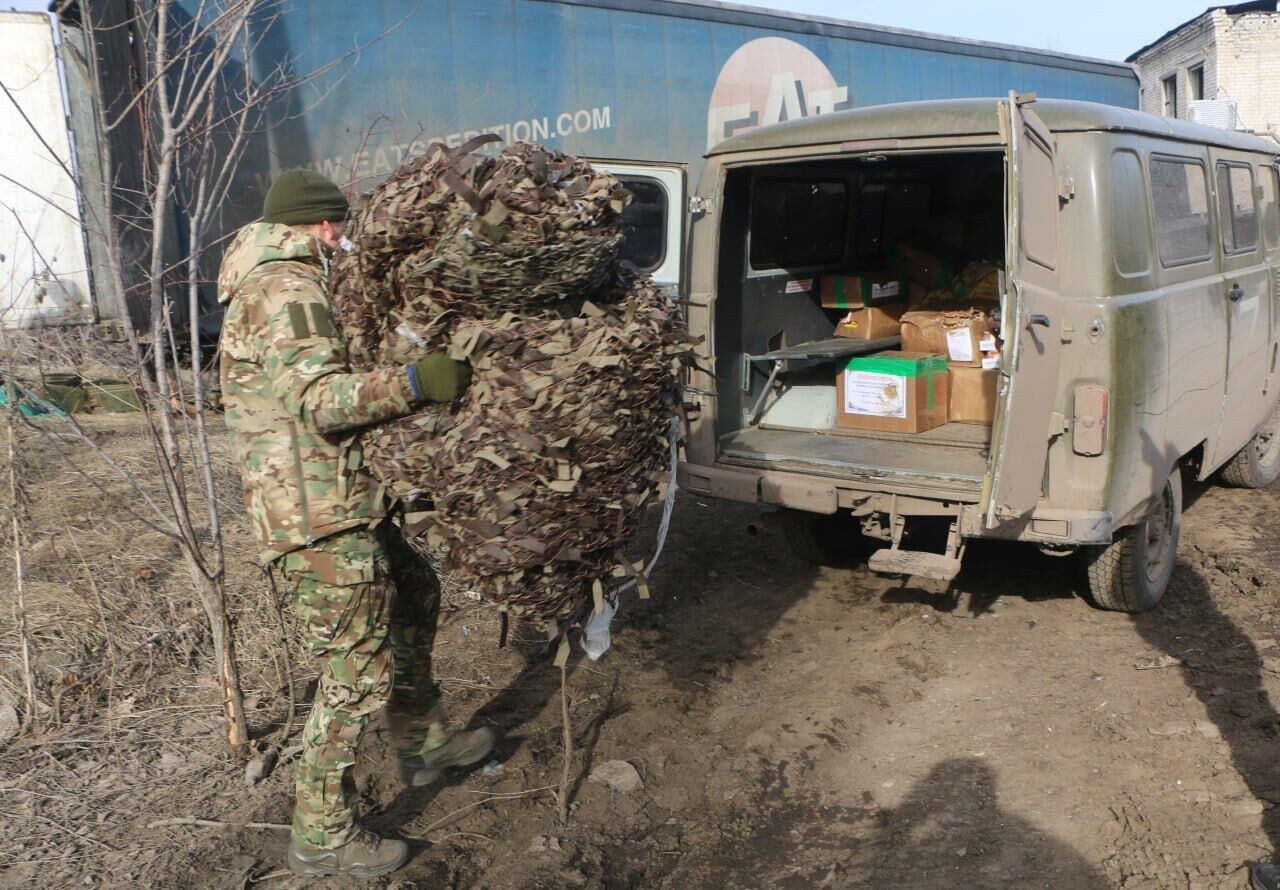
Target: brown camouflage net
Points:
(526, 490)
(454, 232)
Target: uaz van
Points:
(1128, 268)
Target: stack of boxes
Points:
(948, 365)
(873, 302)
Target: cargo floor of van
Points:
(951, 458)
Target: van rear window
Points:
(798, 223)
(1181, 199)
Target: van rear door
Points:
(654, 221)
(1032, 322)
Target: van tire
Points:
(834, 541)
(1257, 464)
(1132, 573)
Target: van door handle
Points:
(1235, 293)
(1040, 319)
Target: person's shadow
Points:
(950, 831)
(1221, 664)
(1218, 660)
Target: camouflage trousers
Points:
(368, 608)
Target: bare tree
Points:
(198, 105)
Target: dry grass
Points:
(109, 607)
(127, 726)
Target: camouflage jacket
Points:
(293, 404)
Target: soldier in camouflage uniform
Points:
(367, 605)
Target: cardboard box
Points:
(895, 392)
(873, 322)
(931, 267)
(977, 284)
(971, 394)
(959, 334)
(858, 291)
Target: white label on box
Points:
(987, 343)
(875, 395)
(960, 344)
(884, 291)
(800, 286)
(990, 362)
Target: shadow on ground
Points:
(1221, 664)
(952, 820)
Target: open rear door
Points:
(654, 221)
(1032, 316)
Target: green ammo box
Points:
(114, 396)
(66, 391)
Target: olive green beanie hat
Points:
(302, 197)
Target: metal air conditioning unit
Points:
(1220, 113)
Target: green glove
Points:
(437, 378)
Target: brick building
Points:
(1226, 52)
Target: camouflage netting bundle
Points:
(453, 233)
(526, 490)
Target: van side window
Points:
(644, 223)
(886, 211)
(1236, 211)
(797, 223)
(1129, 226)
(1270, 211)
(1181, 200)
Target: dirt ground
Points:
(793, 727)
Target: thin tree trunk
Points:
(208, 582)
(562, 796)
(30, 719)
(213, 598)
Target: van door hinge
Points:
(1066, 189)
(699, 204)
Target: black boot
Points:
(1265, 877)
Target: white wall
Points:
(1193, 44)
(44, 271)
(1241, 58)
(1249, 66)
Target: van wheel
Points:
(1132, 572)
(1257, 464)
(835, 541)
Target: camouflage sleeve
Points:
(306, 360)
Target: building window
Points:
(1195, 83)
(1169, 91)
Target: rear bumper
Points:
(815, 494)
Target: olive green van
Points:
(1137, 320)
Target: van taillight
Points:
(1089, 431)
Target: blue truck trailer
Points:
(646, 86)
